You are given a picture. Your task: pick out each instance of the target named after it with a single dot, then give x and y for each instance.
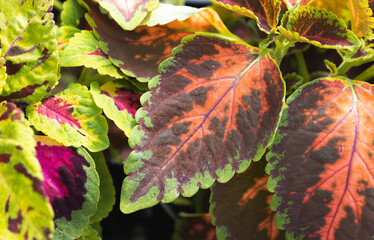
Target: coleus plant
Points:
(201, 95)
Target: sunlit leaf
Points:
(25, 210)
(128, 14)
(195, 227)
(213, 110)
(320, 28)
(322, 163)
(120, 101)
(71, 117)
(166, 13)
(340, 8)
(83, 50)
(31, 62)
(241, 207)
(107, 191)
(71, 183)
(138, 53)
(362, 18)
(72, 13)
(63, 35)
(266, 12)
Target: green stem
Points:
(57, 5)
(344, 67)
(303, 69)
(366, 75)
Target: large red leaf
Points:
(213, 109)
(322, 164)
(241, 207)
(139, 52)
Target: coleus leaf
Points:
(362, 18)
(241, 207)
(107, 191)
(71, 117)
(63, 35)
(321, 163)
(138, 53)
(213, 110)
(195, 227)
(340, 8)
(26, 212)
(31, 62)
(265, 12)
(128, 14)
(120, 101)
(90, 233)
(320, 28)
(72, 13)
(83, 50)
(166, 13)
(72, 185)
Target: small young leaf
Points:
(83, 50)
(72, 185)
(120, 101)
(72, 13)
(213, 109)
(241, 207)
(31, 62)
(320, 28)
(71, 117)
(194, 227)
(128, 14)
(107, 191)
(138, 53)
(265, 12)
(322, 163)
(26, 212)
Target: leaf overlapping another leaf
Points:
(213, 110)
(321, 163)
(71, 117)
(120, 101)
(139, 52)
(320, 28)
(241, 207)
(26, 57)
(71, 183)
(26, 212)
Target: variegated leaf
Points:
(71, 117)
(24, 207)
(31, 62)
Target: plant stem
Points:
(366, 75)
(303, 69)
(57, 5)
(344, 67)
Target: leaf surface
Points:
(320, 28)
(84, 50)
(71, 183)
(107, 191)
(72, 13)
(26, 212)
(72, 118)
(322, 162)
(31, 62)
(362, 18)
(120, 101)
(213, 110)
(139, 52)
(241, 207)
(128, 13)
(265, 12)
